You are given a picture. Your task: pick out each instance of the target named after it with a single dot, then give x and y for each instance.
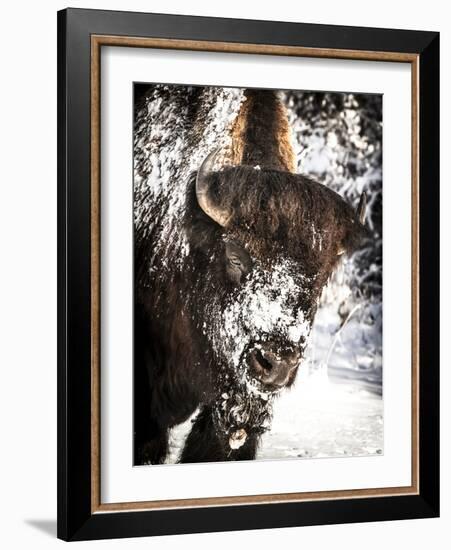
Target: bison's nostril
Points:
(267, 365)
(271, 369)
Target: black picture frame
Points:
(76, 518)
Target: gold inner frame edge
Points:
(97, 41)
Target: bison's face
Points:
(270, 242)
(266, 315)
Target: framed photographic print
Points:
(248, 274)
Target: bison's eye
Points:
(238, 262)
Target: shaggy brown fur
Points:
(261, 134)
(278, 213)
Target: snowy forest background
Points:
(335, 407)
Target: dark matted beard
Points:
(243, 408)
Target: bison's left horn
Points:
(361, 208)
(219, 215)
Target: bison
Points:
(225, 300)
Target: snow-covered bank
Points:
(320, 418)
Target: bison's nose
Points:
(273, 369)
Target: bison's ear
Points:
(361, 208)
(357, 231)
(220, 215)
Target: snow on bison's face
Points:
(266, 318)
(271, 241)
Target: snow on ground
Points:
(321, 418)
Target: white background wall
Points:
(28, 271)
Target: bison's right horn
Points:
(219, 215)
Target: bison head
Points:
(264, 243)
